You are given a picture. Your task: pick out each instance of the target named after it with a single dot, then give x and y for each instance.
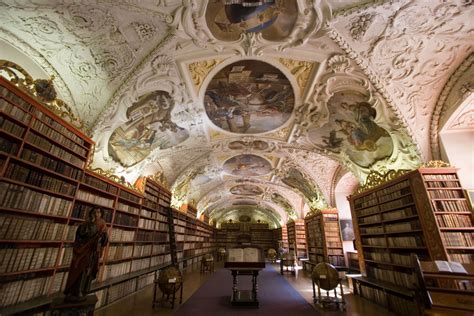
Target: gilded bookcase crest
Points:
(40, 89)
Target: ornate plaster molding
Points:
(441, 105)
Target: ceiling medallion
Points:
(249, 97)
(300, 69)
(200, 69)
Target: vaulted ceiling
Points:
(258, 110)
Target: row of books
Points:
(394, 195)
(448, 220)
(115, 270)
(8, 146)
(130, 196)
(51, 133)
(11, 127)
(117, 291)
(100, 184)
(140, 264)
(25, 228)
(439, 177)
(81, 211)
(23, 198)
(117, 252)
(443, 184)
(403, 226)
(14, 111)
(117, 235)
(54, 165)
(20, 259)
(25, 289)
(160, 260)
(130, 209)
(407, 199)
(408, 241)
(451, 206)
(94, 198)
(337, 260)
(397, 304)
(458, 239)
(125, 219)
(55, 150)
(407, 280)
(20, 173)
(461, 257)
(405, 212)
(446, 194)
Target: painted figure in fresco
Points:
(91, 237)
(364, 133)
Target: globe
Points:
(167, 274)
(271, 253)
(327, 275)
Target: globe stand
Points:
(326, 277)
(169, 282)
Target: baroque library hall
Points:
(223, 157)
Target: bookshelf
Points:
(423, 212)
(46, 191)
(233, 234)
(297, 238)
(192, 237)
(323, 237)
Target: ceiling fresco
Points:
(249, 97)
(148, 127)
(247, 166)
(246, 189)
(351, 129)
(274, 19)
(254, 110)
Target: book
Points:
(449, 266)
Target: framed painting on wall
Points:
(347, 231)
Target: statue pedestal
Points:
(59, 307)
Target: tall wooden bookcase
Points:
(297, 238)
(423, 212)
(46, 191)
(323, 237)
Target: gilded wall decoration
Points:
(148, 127)
(300, 69)
(249, 97)
(200, 69)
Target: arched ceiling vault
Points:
(235, 117)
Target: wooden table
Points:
(244, 297)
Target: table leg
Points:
(234, 284)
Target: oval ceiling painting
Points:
(148, 127)
(247, 166)
(246, 189)
(249, 97)
(273, 18)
